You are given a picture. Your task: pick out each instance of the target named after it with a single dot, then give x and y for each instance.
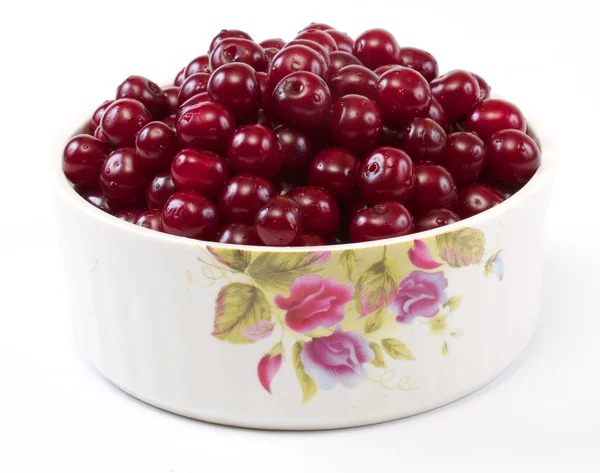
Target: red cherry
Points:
(201, 171)
(254, 149)
(385, 220)
(434, 189)
(421, 61)
(266, 91)
(424, 140)
(190, 214)
(336, 171)
(296, 58)
(437, 114)
(340, 59)
(239, 50)
(189, 103)
(193, 85)
(298, 151)
(385, 175)
(99, 200)
(199, 64)
(383, 69)
(146, 92)
(94, 122)
(280, 222)
(276, 43)
(492, 115)
(124, 178)
(342, 40)
(156, 144)
(225, 34)
(434, 219)
(82, 159)
(238, 234)
(243, 196)
(307, 239)
(99, 135)
(179, 78)
(315, 47)
(484, 88)
(159, 190)
(236, 87)
(270, 53)
(317, 26)
(268, 119)
(353, 79)
(151, 219)
(123, 119)
(403, 94)
(390, 135)
(206, 126)
(513, 157)
(457, 91)
(320, 210)
(477, 198)
(129, 215)
(170, 121)
(465, 156)
(351, 209)
(283, 186)
(172, 95)
(355, 122)
(375, 48)
(319, 37)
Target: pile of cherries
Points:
(323, 139)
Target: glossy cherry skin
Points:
(189, 103)
(254, 149)
(172, 95)
(484, 88)
(156, 144)
(266, 91)
(307, 239)
(202, 171)
(353, 79)
(385, 220)
(437, 114)
(129, 215)
(477, 198)
(151, 219)
(243, 196)
(492, 115)
(82, 159)
(386, 174)
(193, 85)
(239, 50)
(94, 122)
(99, 135)
(97, 198)
(145, 91)
(159, 190)
(383, 69)
(270, 53)
(349, 210)
(124, 178)
(276, 43)
(465, 157)
(268, 119)
(206, 126)
(190, 214)
(236, 87)
(375, 48)
(424, 140)
(513, 157)
(314, 46)
(319, 37)
(225, 34)
(122, 120)
(170, 121)
(434, 189)
(421, 61)
(457, 91)
(280, 222)
(320, 210)
(298, 151)
(342, 40)
(239, 234)
(179, 78)
(296, 58)
(336, 171)
(434, 219)
(355, 123)
(302, 99)
(317, 26)
(403, 94)
(340, 59)
(199, 64)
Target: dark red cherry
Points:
(268, 119)
(492, 115)
(351, 209)
(172, 95)
(302, 99)
(266, 91)
(225, 34)
(321, 211)
(342, 40)
(390, 135)
(283, 186)
(505, 191)
(307, 239)
(424, 140)
(434, 219)
(159, 190)
(477, 198)
(316, 26)
(99, 200)
(375, 48)
(484, 88)
(353, 79)
(457, 91)
(124, 178)
(99, 135)
(355, 123)
(151, 219)
(298, 151)
(465, 156)
(403, 94)
(193, 85)
(145, 91)
(421, 61)
(296, 58)
(129, 215)
(239, 50)
(239, 234)
(189, 103)
(179, 78)
(82, 159)
(434, 189)
(236, 87)
(386, 174)
(190, 214)
(94, 122)
(276, 43)
(170, 121)
(202, 171)
(340, 59)
(385, 220)
(254, 149)
(513, 157)
(336, 171)
(206, 126)
(270, 53)
(199, 64)
(383, 69)
(156, 144)
(315, 47)
(243, 196)
(320, 37)
(280, 222)
(437, 114)
(123, 119)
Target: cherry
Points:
(484, 88)
(268, 119)
(99, 200)
(266, 91)
(492, 115)
(189, 103)
(270, 53)
(190, 214)
(159, 190)
(342, 40)
(307, 239)
(477, 198)
(315, 47)
(238, 234)
(254, 149)
(193, 85)
(505, 192)
(351, 209)
(236, 87)
(243, 196)
(179, 78)
(172, 95)
(421, 61)
(201, 171)
(317, 26)
(145, 91)
(383, 69)
(199, 64)
(353, 79)
(385, 220)
(320, 210)
(434, 189)
(129, 215)
(151, 219)
(170, 121)
(82, 159)
(99, 135)
(340, 59)
(336, 171)
(403, 94)
(283, 186)
(355, 122)
(124, 178)
(206, 126)
(122, 120)
(298, 151)
(375, 48)
(280, 222)
(239, 50)
(296, 58)
(276, 43)
(302, 99)
(437, 114)
(390, 135)
(513, 157)
(319, 37)
(464, 157)
(385, 175)
(156, 144)
(424, 140)
(225, 34)
(434, 219)
(457, 91)
(94, 122)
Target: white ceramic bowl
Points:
(341, 335)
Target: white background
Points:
(60, 59)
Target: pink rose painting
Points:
(420, 295)
(314, 302)
(337, 358)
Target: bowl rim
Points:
(62, 189)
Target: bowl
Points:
(304, 338)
